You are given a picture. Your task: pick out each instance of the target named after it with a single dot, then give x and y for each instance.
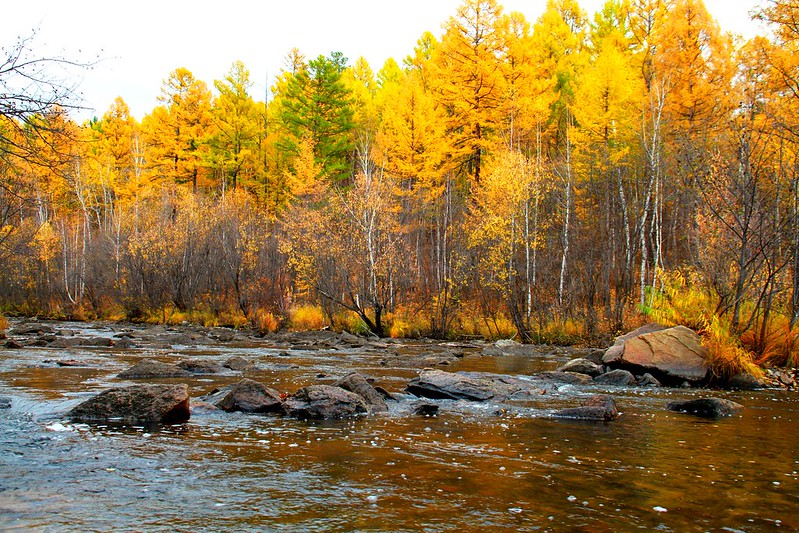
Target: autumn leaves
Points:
(508, 177)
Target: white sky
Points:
(143, 41)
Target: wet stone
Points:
(162, 404)
(600, 407)
(617, 378)
(707, 407)
(200, 366)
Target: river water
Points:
(475, 467)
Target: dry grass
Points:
(265, 321)
(307, 317)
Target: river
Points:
(475, 467)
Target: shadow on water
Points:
(471, 468)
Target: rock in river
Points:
(581, 366)
(238, 363)
(324, 402)
(137, 404)
(149, 369)
(357, 384)
(707, 407)
(672, 353)
(440, 385)
(247, 396)
(618, 377)
(597, 407)
(200, 366)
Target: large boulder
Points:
(597, 407)
(675, 354)
(357, 384)
(440, 385)
(152, 369)
(707, 407)
(324, 402)
(137, 404)
(248, 396)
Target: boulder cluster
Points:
(649, 356)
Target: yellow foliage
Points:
(349, 321)
(3, 324)
(264, 321)
(682, 301)
(307, 317)
(406, 324)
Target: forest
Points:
(561, 180)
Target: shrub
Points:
(407, 324)
(264, 321)
(307, 317)
(682, 301)
(3, 324)
(350, 321)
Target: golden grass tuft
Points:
(307, 317)
(264, 321)
(406, 324)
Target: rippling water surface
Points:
(476, 467)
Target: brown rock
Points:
(597, 407)
(675, 353)
(162, 404)
(249, 396)
(357, 384)
(324, 402)
(707, 407)
(437, 384)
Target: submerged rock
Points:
(357, 384)
(248, 396)
(618, 377)
(674, 353)
(152, 369)
(5, 402)
(707, 407)
(324, 402)
(598, 407)
(163, 404)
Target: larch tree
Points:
(470, 81)
(176, 132)
(233, 144)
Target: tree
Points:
(317, 105)
(176, 133)
(234, 142)
(470, 82)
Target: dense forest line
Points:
(558, 181)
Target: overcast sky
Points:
(142, 42)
